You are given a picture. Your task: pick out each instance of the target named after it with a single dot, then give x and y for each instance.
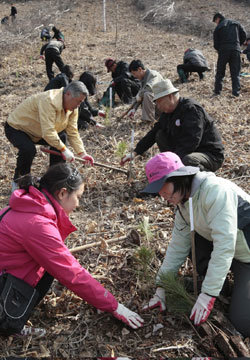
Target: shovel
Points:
(83, 161)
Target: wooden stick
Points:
(83, 161)
(127, 111)
(193, 246)
(97, 243)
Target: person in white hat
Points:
(221, 220)
(184, 128)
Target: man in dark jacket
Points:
(61, 80)
(184, 128)
(193, 61)
(13, 12)
(53, 50)
(123, 83)
(229, 35)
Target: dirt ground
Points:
(111, 206)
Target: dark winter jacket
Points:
(61, 80)
(58, 46)
(247, 52)
(85, 114)
(187, 129)
(13, 11)
(195, 57)
(121, 71)
(229, 35)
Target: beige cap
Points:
(163, 88)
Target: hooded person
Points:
(193, 61)
(221, 213)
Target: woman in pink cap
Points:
(33, 229)
(221, 216)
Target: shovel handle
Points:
(53, 152)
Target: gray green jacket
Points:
(222, 215)
(151, 77)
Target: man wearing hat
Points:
(220, 211)
(123, 82)
(184, 128)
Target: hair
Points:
(67, 70)
(182, 184)
(58, 176)
(135, 64)
(76, 88)
(89, 81)
(218, 16)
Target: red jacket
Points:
(32, 238)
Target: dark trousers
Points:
(126, 89)
(51, 56)
(188, 68)
(232, 57)
(239, 311)
(27, 149)
(44, 285)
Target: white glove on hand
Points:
(128, 317)
(158, 300)
(131, 113)
(102, 113)
(138, 98)
(126, 158)
(202, 308)
(68, 155)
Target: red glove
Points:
(202, 308)
(131, 113)
(88, 159)
(126, 158)
(112, 84)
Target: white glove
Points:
(131, 113)
(126, 158)
(128, 317)
(158, 300)
(138, 98)
(101, 113)
(68, 155)
(202, 308)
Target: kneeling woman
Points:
(32, 233)
(221, 212)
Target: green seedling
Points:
(178, 300)
(144, 257)
(107, 117)
(121, 149)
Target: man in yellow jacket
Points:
(47, 118)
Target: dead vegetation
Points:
(111, 207)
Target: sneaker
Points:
(32, 331)
(14, 186)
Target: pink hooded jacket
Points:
(32, 238)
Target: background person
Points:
(123, 82)
(145, 95)
(47, 118)
(62, 79)
(53, 50)
(221, 213)
(13, 12)
(229, 35)
(193, 61)
(32, 235)
(184, 128)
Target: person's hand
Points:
(158, 300)
(138, 98)
(87, 158)
(102, 113)
(68, 155)
(112, 84)
(126, 158)
(128, 317)
(131, 113)
(202, 308)
(42, 57)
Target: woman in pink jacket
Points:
(32, 235)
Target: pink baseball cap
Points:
(163, 166)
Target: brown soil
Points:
(111, 206)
